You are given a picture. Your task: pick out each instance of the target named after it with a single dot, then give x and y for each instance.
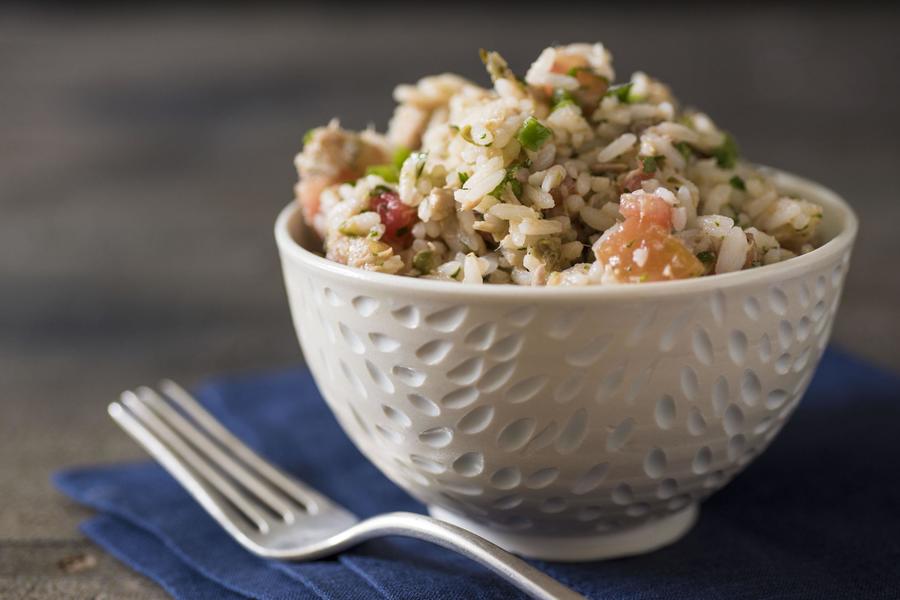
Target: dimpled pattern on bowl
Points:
(580, 415)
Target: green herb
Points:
(685, 149)
(510, 178)
(707, 257)
(652, 163)
(400, 155)
(622, 92)
(379, 189)
(532, 134)
(726, 154)
(463, 178)
(737, 183)
(424, 261)
(309, 135)
(389, 173)
(562, 98)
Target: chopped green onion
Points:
(707, 257)
(389, 173)
(652, 163)
(622, 92)
(424, 261)
(532, 134)
(737, 183)
(726, 154)
(463, 177)
(400, 155)
(308, 135)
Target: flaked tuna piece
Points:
(331, 156)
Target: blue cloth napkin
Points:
(816, 516)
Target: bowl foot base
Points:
(574, 548)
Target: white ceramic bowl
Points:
(567, 423)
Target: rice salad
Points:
(560, 178)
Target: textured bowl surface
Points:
(567, 423)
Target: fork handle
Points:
(515, 570)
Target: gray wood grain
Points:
(144, 155)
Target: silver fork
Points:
(273, 514)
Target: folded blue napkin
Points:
(816, 516)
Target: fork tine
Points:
(200, 439)
(182, 452)
(203, 492)
(309, 498)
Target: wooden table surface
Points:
(144, 156)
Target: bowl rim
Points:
(291, 250)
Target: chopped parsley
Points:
(463, 177)
(652, 163)
(622, 92)
(726, 154)
(707, 257)
(532, 134)
(308, 135)
(737, 183)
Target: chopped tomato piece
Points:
(397, 217)
(641, 248)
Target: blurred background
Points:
(144, 155)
